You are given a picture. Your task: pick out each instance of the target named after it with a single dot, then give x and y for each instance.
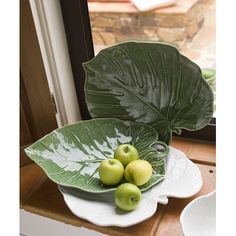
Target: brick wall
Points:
(175, 27)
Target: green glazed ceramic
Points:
(71, 155)
(150, 83)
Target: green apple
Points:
(127, 196)
(111, 171)
(138, 172)
(126, 153)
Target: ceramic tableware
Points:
(182, 180)
(71, 155)
(151, 83)
(199, 216)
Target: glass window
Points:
(188, 24)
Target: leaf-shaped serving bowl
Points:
(71, 155)
(151, 83)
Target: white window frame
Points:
(53, 45)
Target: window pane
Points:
(188, 24)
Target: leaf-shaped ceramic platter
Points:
(71, 155)
(183, 179)
(150, 83)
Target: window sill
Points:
(46, 200)
(181, 7)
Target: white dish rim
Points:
(162, 199)
(189, 205)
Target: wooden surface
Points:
(48, 201)
(37, 117)
(31, 177)
(198, 151)
(170, 224)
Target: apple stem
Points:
(111, 162)
(133, 199)
(126, 149)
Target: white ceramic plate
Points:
(183, 179)
(199, 216)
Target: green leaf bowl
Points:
(71, 155)
(151, 83)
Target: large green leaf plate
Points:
(71, 155)
(150, 83)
